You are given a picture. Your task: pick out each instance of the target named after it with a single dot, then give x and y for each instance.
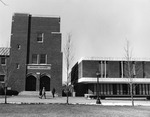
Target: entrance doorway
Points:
(31, 83)
(45, 82)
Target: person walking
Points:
(40, 93)
(53, 92)
(43, 93)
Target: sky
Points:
(99, 28)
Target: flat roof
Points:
(113, 80)
(38, 15)
(112, 59)
(4, 51)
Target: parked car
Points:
(9, 92)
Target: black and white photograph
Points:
(74, 58)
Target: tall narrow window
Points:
(17, 66)
(43, 59)
(3, 61)
(122, 73)
(34, 59)
(18, 46)
(40, 37)
(134, 72)
(2, 77)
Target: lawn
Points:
(62, 110)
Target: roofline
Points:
(37, 15)
(50, 16)
(112, 59)
(4, 51)
(113, 80)
(4, 55)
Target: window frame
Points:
(3, 76)
(40, 37)
(36, 59)
(18, 46)
(4, 60)
(45, 59)
(17, 66)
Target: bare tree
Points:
(3, 3)
(131, 69)
(68, 58)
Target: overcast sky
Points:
(99, 27)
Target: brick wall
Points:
(51, 46)
(24, 33)
(18, 56)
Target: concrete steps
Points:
(35, 93)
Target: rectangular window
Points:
(18, 46)
(2, 77)
(134, 71)
(43, 59)
(17, 66)
(34, 59)
(3, 61)
(40, 37)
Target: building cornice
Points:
(112, 59)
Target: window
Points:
(39, 59)
(17, 66)
(134, 71)
(40, 37)
(43, 59)
(34, 59)
(2, 77)
(18, 46)
(3, 61)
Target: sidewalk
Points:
(74, 100)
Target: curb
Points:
(38, 103)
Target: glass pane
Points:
(34, 59)
(40, 37)
(3, 61)
(2, 77)
(42, 58)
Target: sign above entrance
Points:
(43, 67)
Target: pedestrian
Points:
(53, 92)
(40, 93)
(43, 93)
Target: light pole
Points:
(98, 98)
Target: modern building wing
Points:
(114, 79)
(35, 58)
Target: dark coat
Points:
(40, 92)
(53, 91)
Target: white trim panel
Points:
(113, 80)
(112, 59)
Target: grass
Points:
(63, 110)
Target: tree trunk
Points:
(67, 98)
(131, 92)
(5, 91)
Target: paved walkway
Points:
(74, 100)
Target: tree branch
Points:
(3, 3)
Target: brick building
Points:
(35, 58)
(113, 77)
